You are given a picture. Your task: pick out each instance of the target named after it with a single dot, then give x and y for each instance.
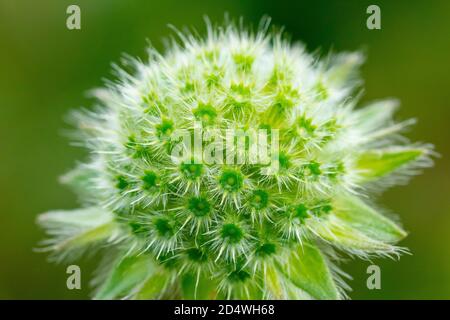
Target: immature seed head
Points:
(174, 225)
(150, 180)
(192, 171)
(199, 206)
(163, 227)
(196, 255)
(231, 233)
(231, 180)
(205, 113)
(259, 199)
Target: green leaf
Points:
(375, 164)
(356, 242)
(201, 288)
(78, 219)
(87, 237)
(80, 179)
(344, 68)
(375, 122)
(251, 290)
(376, 115)
(358, 215)
(154, 286)
(279, 288)
(273, 283)
(74, 229)
(295, 293)
(308, 270)
(126, 275)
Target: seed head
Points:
(164, 192)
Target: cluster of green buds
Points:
(194, 223)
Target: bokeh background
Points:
(45, 70)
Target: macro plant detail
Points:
(181, 227)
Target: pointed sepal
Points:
(308, 269)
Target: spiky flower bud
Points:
(179, 216)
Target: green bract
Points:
(179, 226)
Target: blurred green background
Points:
(45, 70)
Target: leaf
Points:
(281, 288)
(87, 237)
(198, 288)
(154, 286)
(80, 179)
(74, 229)
(127, 274)
(375, 164)
(295, 293)
(344, 67)
(374, 123)
(273, 283)
(307, 269)
(251, 290)
(356, 242)
(358, 215)
(376, 115)
(78, 218)
(357, 228)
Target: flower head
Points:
(188, 212)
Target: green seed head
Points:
(163, 227)
(231, 233)
(122, 183)
(192, 171)
(299, 211)
(165, 128)
(150, 180)
(231, 180)
(259, 199)
(266, 249)
(182, 213)
(196, 255)
(238, 276)
(199, 206)
(205, 113)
